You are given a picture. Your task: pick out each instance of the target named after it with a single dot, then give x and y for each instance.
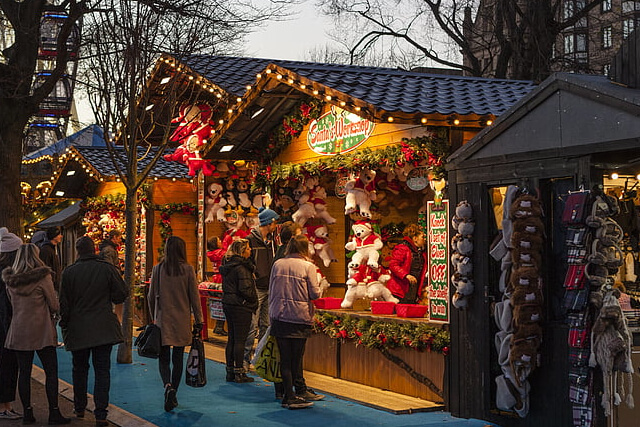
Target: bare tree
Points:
(123, 44)
(517, 35)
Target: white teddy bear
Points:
(319, 237)
(367, 282)
(366, 243)
(215, 203)
(360, 192)
(317, 196)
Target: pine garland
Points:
(382, 334)
(165, 218)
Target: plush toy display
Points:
(215, 203)
(229, 192)
(360, 192)
(234, 222)
(366, 244)
(192, 132)
(242, 189)
(319, 237)
(366, 282)
(317, 196)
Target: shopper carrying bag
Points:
(196, 375)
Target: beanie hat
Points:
(9, 242)
(39, 237)
(53, 232)
(267, 216)
(85, 246)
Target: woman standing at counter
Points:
(408, 266)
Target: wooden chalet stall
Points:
(299, 131)
(572, 131)
(86, 176)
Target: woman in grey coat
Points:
(173, 296)
(32, 329)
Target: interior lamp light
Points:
(71, 173)
(257, 113)
(226, 148)
(165, 80)
(614, 175)
(59, 193)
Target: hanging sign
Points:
(338, 131)
(418, 179)
(438, 255)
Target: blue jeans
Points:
(101, 360)
(259, 324)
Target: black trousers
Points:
(238, 325)
(171, 365)
(49, 359)
(8, 375)
(291, 354)
(101, 360)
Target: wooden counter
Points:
(342, 359)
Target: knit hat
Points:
(9, 242)
(267, 216)
(85, 246)
(39, 237)
(53, 232)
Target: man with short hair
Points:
(49, 254)
(89, 326)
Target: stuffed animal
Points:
(317, 196)
(215, 203)
(234, 222)
(366, 244)
(319, 237)
(366, 282)
(322, 281)
(229, 192)
(360, 192)
(242, 189)
(195, 163)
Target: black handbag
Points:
(149, 341)
(196, 373)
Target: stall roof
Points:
(567, 115)
(244, 86)
(92, 136)
(62, 218)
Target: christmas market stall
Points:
(353, 155)
(86, 177)
(553, 322)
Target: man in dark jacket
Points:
(89, 326)
(49, 254)
(263, 250)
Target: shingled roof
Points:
(99, 158)
(388, 89)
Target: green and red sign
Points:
(438, 254)
(338, 131)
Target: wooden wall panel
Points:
(111, 187)
(320, 355)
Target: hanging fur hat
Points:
(532, 225)
(525, 206)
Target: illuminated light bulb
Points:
(328, 97)
(456, 122)
(489, 122)
(303, 86)
(218, 95)
(258, 75)
(268, 71)
(190, 77)
(390, 119)
(614, 175)
(342, 103)
(358, 108)
(248, 87)
(221, 121)
(155, 178)
(173, 179)
(211, 90)
(638, 177)
(279, 77)
(290, 81)
(315, 92)
(230, 110)
(238, 99)
(424, 120)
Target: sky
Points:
(294, 38)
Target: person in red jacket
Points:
(408, 266)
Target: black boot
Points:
(230, 374)
(56, 418)
(27, 417)
(240, 376)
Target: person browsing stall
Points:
(408, 266)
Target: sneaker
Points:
(310, 396)
(14, 412)
(170, 399)
(296, 403)
(8, 415)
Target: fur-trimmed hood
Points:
(24, 283)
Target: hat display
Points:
(9, 242)
(267, 216)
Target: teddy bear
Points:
(195, 163)
(322, 281)
(242, 189)
(366, 244)
(214, 203)
(106, 222)
(229, 192)
(319, 237)
(366, 282)
(234, 222)
(317, 196)
(360, 192)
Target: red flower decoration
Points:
(342, 333)
(445, 351)
(305, 109)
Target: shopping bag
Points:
(149, 341)
(267, 359)
(196, 373)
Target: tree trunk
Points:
(131, 217)
(10, 163)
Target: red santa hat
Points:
(365, 223)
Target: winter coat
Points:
(262, 253)
(89, 288)
(34, 303)
(294, 283)
(5, 306)
(50, 258)
(174, 298)
(400, 267)
(238, 284)
(109, 252)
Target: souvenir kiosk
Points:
(550, 335)
(334, 148)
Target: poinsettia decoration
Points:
(383, 334)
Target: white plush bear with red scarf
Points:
(360, 192)
(215, 203)
(319, 237)
(317, 196)
(367, 282)
(366, 244)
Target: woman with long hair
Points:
(32, 330)
(239, 302)
(292, 286)
(172, 297)
(408, 266)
